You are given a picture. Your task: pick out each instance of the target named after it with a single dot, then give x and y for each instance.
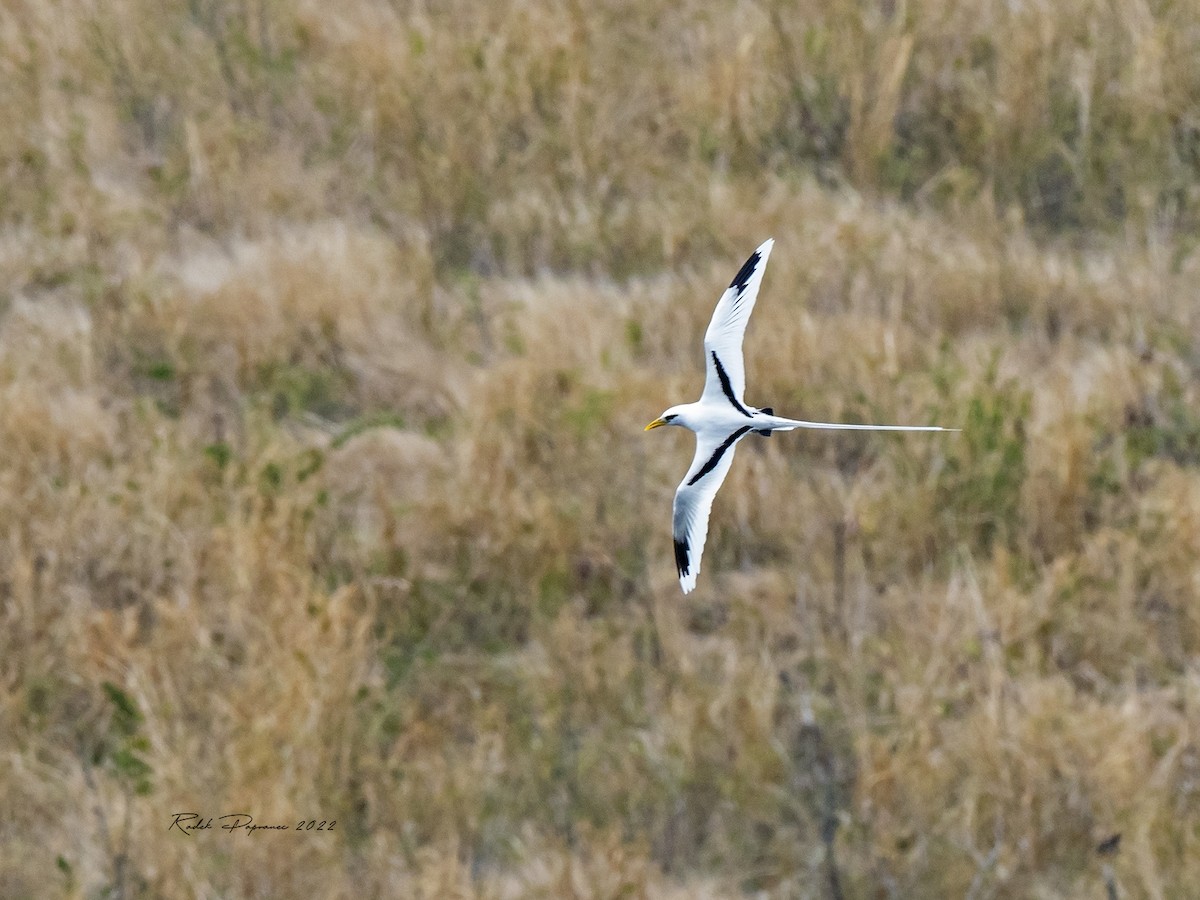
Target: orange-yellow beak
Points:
(655, 424)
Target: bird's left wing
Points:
(694, 498)
(725, 378)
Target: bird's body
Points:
(721, 419)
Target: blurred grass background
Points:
(326, 338)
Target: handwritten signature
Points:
(190, 823)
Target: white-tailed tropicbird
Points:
(720, 418)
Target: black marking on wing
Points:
(742, 278)
(765, 432)
(727, 387)
(681, 557)
(717, 454)
(768, 410)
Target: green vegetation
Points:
(326, 341)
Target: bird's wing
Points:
(694, 498)
(725, 378)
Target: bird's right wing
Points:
(725, 371)
(694, 499)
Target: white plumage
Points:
(721, 419)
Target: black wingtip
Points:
(681, 557)
(742, 278)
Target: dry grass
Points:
(325, 344)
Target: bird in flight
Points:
(721, 419)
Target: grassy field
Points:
(327, 335)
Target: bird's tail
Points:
(779, 423)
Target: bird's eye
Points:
(669, 418)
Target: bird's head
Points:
(673, 416)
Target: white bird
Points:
(720, 418)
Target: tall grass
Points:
(325, 342)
